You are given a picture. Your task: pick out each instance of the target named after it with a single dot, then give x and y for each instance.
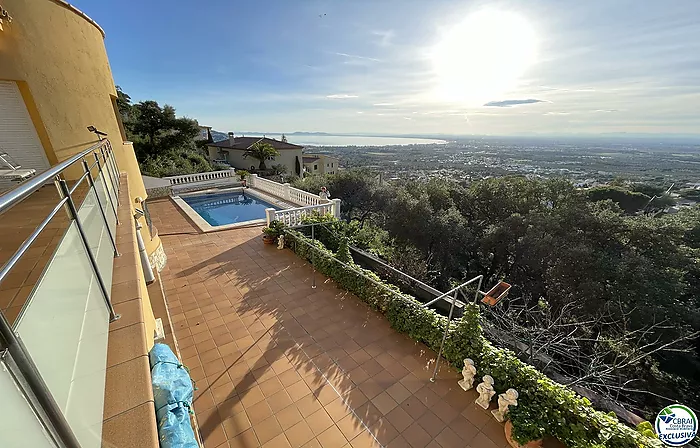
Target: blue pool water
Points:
(228, 208)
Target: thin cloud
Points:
(385, 37)
(341, 96)
(510, 103)
(355, 56)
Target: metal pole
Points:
(109, 196)
(115, 180)
(313, 252)
(444, 337)
(57, 425)
(99, 204)
(478, 290)
(74, 215)
(108, 156)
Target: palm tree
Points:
(261, 151)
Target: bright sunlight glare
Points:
(483, 57)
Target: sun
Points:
(483, 57)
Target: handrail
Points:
(21, 192)
(24, 369)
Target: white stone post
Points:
(287, 192)
(253, 178)
(336, 207)
(270, 214)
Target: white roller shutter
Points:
(18, 137)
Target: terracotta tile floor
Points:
(280, 364)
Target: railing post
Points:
(270, 215)
(335, 206)
(116, 189)
(313, 265)
(109, 161)
(99, 204)
(74, 216)
(287, 192)
(253, 180)
(444, 336)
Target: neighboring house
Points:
(320, 164)
(232, 151)
(205, 134)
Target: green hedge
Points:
(545, 408)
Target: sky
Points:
(412, 67)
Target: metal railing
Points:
(98, 212)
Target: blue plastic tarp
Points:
(172, 391)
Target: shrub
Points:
(545, 408)
(219, 166)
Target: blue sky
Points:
(412, 66)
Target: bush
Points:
(545, 408)
(175, 163)
(219, 166)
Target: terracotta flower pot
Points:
(267, 239)
(508, 428)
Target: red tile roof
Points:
(246, 142)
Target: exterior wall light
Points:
(4, 17)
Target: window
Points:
(315, 167)
(332, 163)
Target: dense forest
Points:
(605, 295)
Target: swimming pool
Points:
(219, 209)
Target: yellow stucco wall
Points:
(323, 163)
(235, 157)
(57, 56)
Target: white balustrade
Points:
(268, 186)
(302, 197)
(294, 216)
(201, 177)
(286, 192)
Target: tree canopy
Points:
(261, 151)
(164, 143)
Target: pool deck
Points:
(279, 364)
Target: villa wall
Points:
(287, 157)
(57, 57)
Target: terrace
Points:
(278, 363)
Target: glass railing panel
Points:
(107, 179)
(19, 426)
(94, 226)
(65, 324)
(104, 192)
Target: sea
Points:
(353, 140)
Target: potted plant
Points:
(272, 232)
(243, 174)
(524, 429)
